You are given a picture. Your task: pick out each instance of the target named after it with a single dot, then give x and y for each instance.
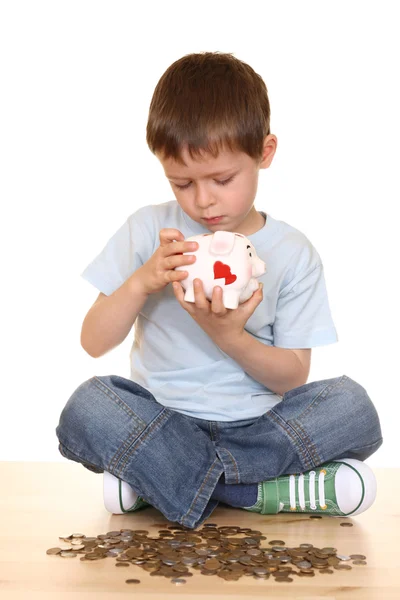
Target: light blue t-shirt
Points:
(173, 357)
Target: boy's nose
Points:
(203, 199)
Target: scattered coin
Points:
(304, 564)
(53, 551)
(229, 552)
(323, 571)
(276, 543)
(178, 581)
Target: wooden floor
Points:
(41, 501)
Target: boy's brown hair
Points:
(208, 101)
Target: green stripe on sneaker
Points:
(363, 489)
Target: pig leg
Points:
(231, 298)
(253, 284)
(189, 293)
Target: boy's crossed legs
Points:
(316, 423)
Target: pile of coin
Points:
(212, 551)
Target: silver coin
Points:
(189, 561)
(172, 553)
(304, 564)
(285, 559)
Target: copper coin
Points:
(276, 543)
(229, 552)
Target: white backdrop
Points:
(77, 79)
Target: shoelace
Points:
(321, 490)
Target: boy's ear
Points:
(269, 149)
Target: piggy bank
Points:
(225, 259)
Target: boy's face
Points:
(224, 186)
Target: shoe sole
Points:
(117, 494)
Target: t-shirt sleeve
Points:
(123, 254)
(303, 318)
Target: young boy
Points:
(217, 408)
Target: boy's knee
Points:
(362, 413)
(107, 408)
(76, 406)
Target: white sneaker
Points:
(119, 497)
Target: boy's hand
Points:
(158, 271)
(222, 324)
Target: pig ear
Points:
(222, 242)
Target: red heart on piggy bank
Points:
(221, 270)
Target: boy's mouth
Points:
(213, 219)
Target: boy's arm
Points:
(279, 369)
(111, 318)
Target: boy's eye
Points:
(184, 187)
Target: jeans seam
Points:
(210, 470)
(214, 431)
(162, 416)
(317, 460)
(295, 426)
(110, 393)
(233, 462)
(300, 448)
(324, 392)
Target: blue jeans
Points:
(174, 461)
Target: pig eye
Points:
(249, 252)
